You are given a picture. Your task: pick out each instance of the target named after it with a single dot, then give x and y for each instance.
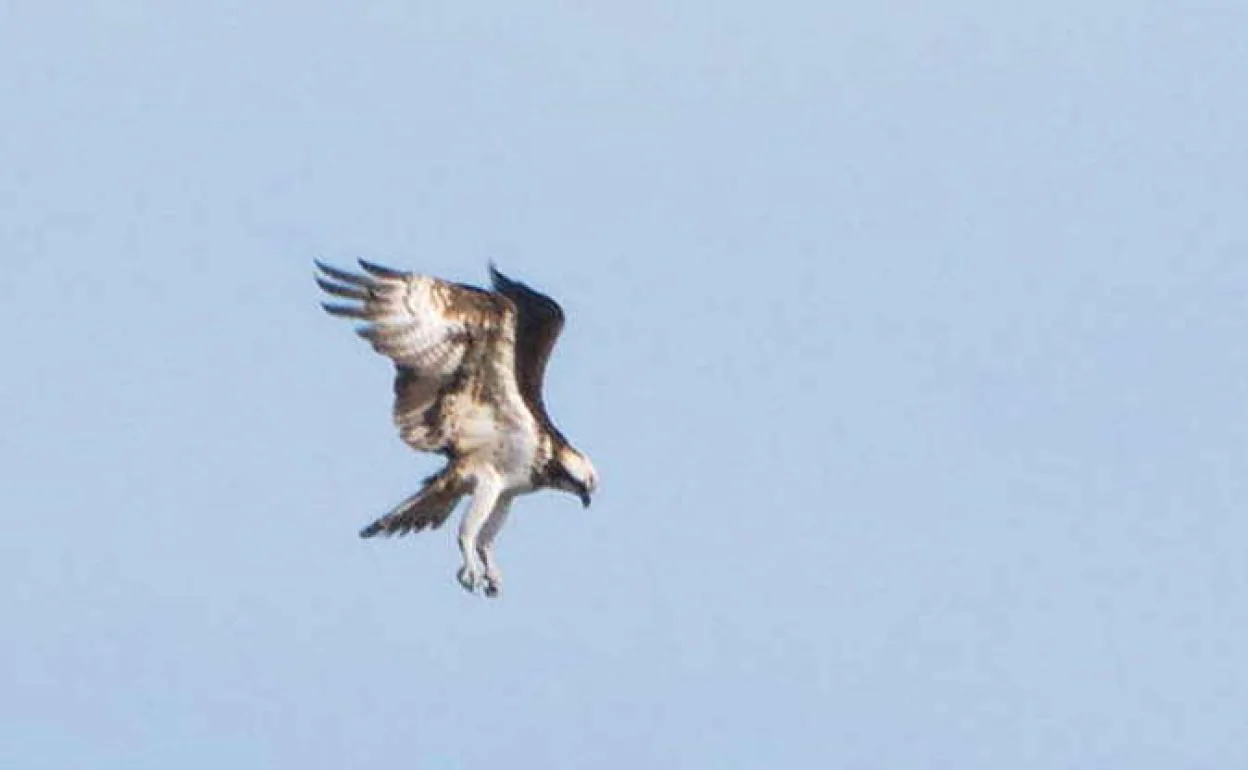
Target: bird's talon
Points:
(469, 579)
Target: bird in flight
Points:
(468, 385)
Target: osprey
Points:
(470, 365)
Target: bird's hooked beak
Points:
(575, 474)
(585, 490)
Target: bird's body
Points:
(468, 385)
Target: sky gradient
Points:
(908, 342)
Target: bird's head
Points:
(573, 472)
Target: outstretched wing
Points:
(446, 340)
(539, 319)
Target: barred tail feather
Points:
(428, 508)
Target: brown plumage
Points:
(470, 365)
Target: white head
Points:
(573, 472)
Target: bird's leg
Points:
(488, 488)
(485, 546)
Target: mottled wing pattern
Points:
(539, 320)
(439, 335)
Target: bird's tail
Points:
(430, 507)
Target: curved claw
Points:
(470, 579)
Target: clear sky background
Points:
(908, 339)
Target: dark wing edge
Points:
(539, 320)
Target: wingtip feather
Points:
(381, 271)
(344, 311)
(338, 290)
(498, 278)
(338, 274)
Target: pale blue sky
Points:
(908, 339)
